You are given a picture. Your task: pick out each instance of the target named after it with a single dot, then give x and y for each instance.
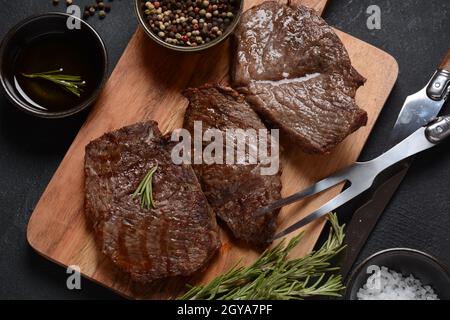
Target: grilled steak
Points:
(314, 113)
(281, 49)
(178, 237)
(235, 191)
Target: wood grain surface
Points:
(445, 65)
(147, 84)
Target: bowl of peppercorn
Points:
(189, 25)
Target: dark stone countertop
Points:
(415, 32)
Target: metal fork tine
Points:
(331, 205)
(314, 189)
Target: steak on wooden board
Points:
(316, 113)
(178, 237)
(234, 191)
(297, 75)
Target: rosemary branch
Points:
(72, 84)
(145, 190)
(274, 277)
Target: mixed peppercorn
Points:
(189, 22)
(99, 6)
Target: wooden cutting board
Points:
(147, 84)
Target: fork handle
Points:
(439, 87)
(438, 130)
(445, 65)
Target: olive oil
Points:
(54, 51)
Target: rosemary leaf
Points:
(273, 276)
(145, 190)
(72, 84)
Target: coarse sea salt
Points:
(387, 284)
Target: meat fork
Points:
(361, 175)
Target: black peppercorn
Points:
(189, 22)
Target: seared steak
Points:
(314, 113)
(280, 43)
(235, 191)
(178, 237)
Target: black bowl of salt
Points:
(399, 274)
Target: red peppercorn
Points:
(184, 38)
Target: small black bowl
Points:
(422, 266)
(33, 29)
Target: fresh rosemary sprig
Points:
(145, 190)
(73, 84)
(274, 277)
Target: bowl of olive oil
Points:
(53, 65)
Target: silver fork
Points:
(361, 175)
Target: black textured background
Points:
(415, 32)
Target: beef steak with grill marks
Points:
(178, 237)
(234, 191)
(314, 113)
(297, 75)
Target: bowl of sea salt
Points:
(399, 274)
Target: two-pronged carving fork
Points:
(361, 175)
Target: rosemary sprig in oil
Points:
(274, 277)
(70, 83)
(145, 190)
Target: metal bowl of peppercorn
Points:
(188, 25)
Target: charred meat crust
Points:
(177, 238)
(315, 114)
(234, 191)
(277, 44)
(274, 38)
